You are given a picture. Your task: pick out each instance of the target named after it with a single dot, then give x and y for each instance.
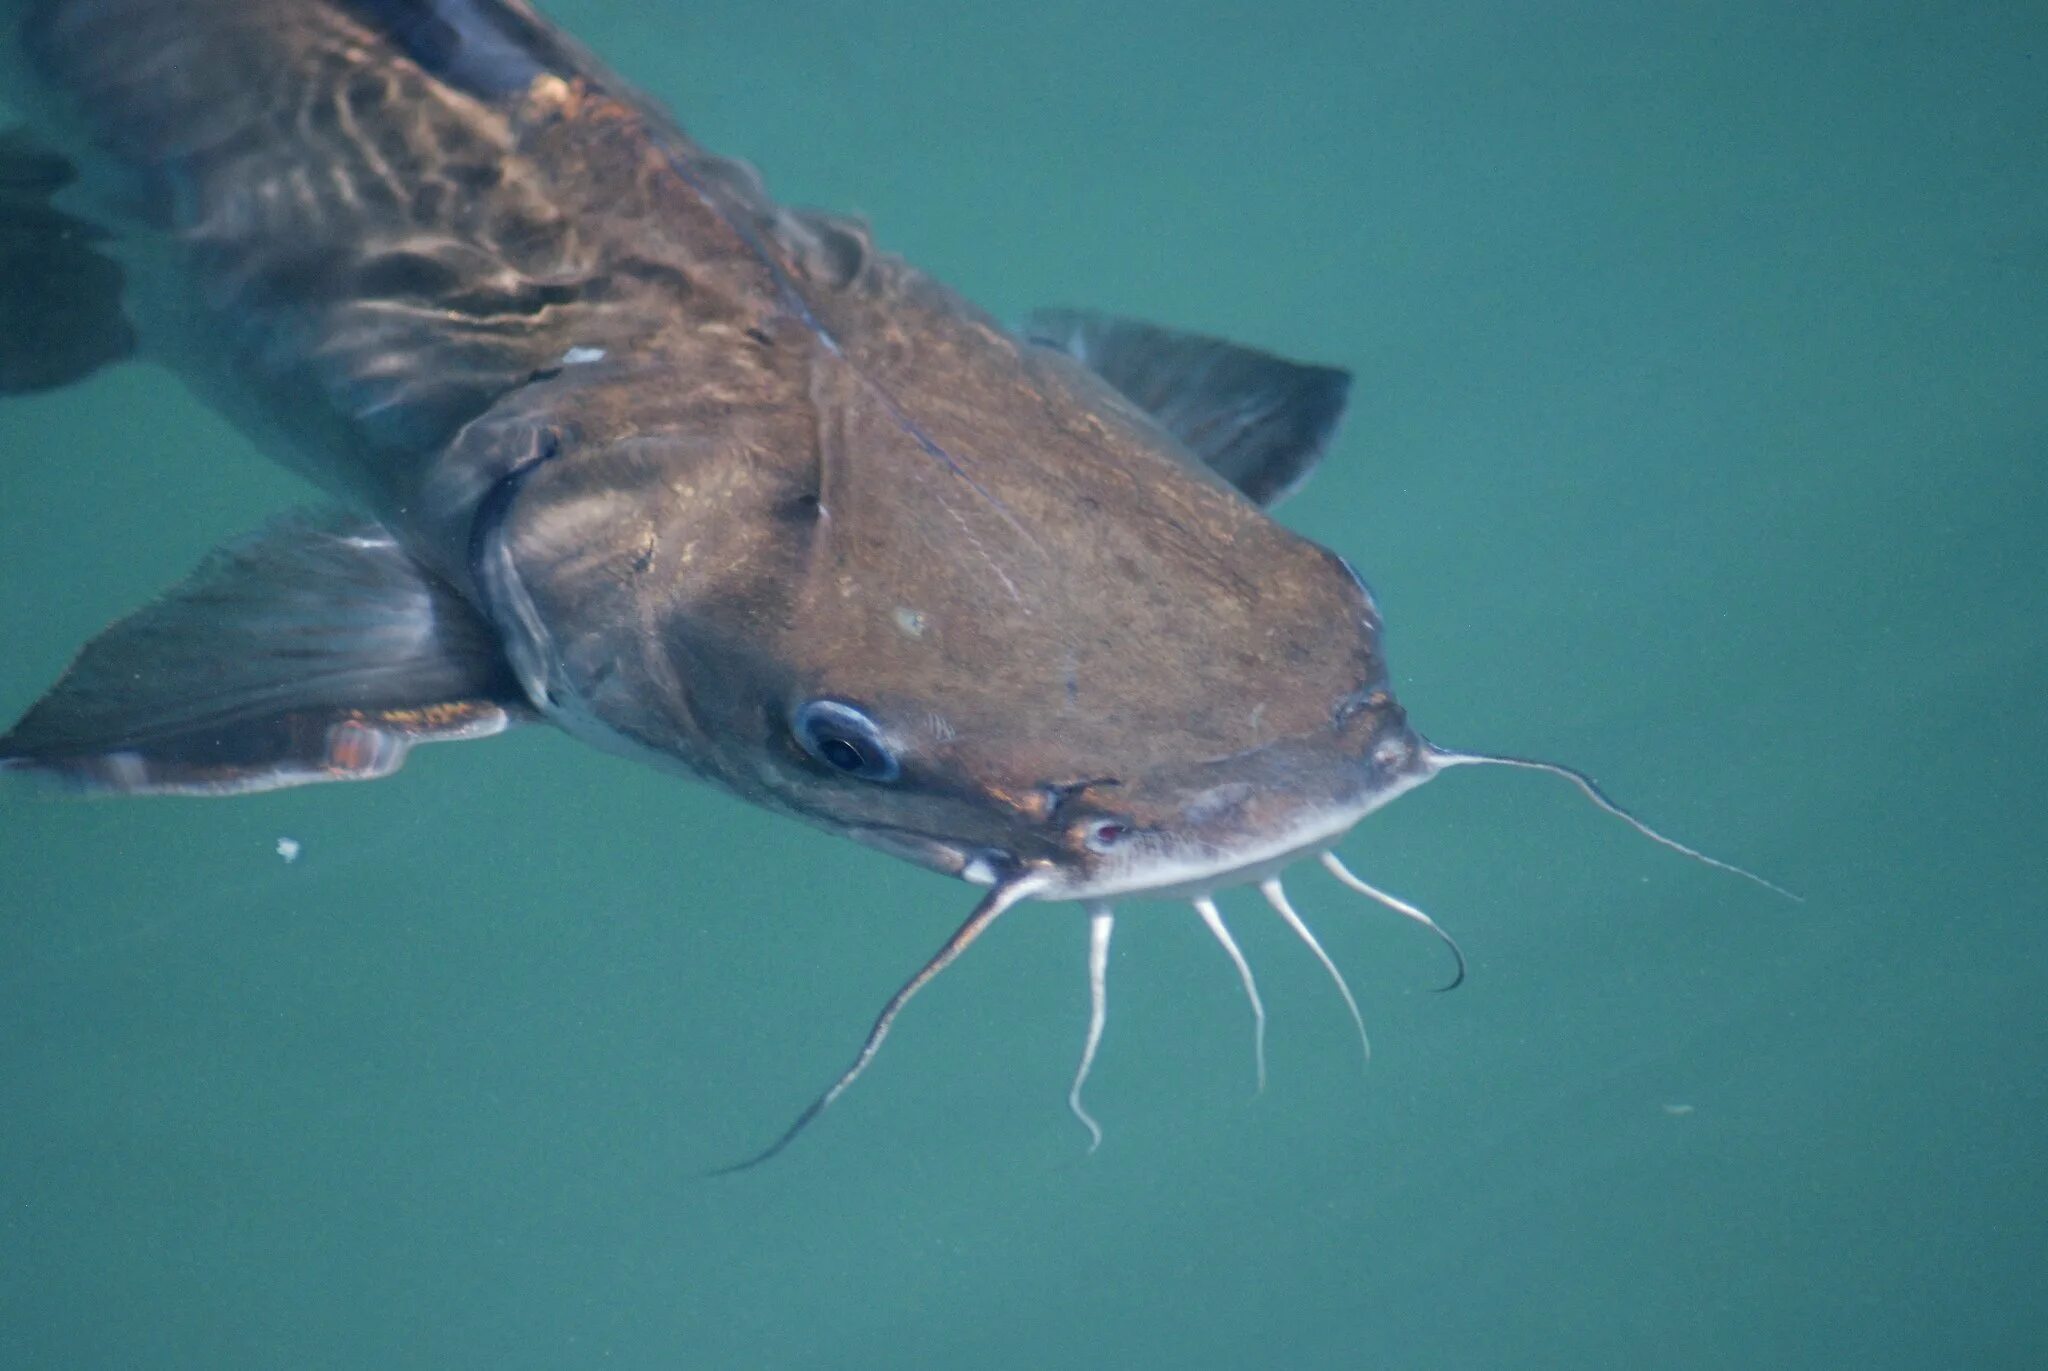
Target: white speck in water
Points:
(288, 848)
(1678, 1111)
(576, 357)
(911, 621)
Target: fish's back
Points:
(372, 220)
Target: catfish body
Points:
(694, 461)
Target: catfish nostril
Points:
(1053, 798)
(1360, 702)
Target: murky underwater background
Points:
(1699, 439)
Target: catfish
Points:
(611, 440)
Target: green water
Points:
(1699, 439)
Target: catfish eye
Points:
(844, 738)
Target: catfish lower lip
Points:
(616, 442)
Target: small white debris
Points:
(576, 357)
(1678, 1111)
(288, 848)
(911, 621)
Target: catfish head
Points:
(1103, 670)
(1042, 636)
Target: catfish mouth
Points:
(1148, 866)
(1194, 827)
(1169, 867)
(1194, 871)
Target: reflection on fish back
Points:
(381, 216)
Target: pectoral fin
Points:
(314, 650)
(1260, 422)
(59, 295)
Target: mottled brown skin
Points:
(801, 468)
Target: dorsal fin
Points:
(489, 48)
